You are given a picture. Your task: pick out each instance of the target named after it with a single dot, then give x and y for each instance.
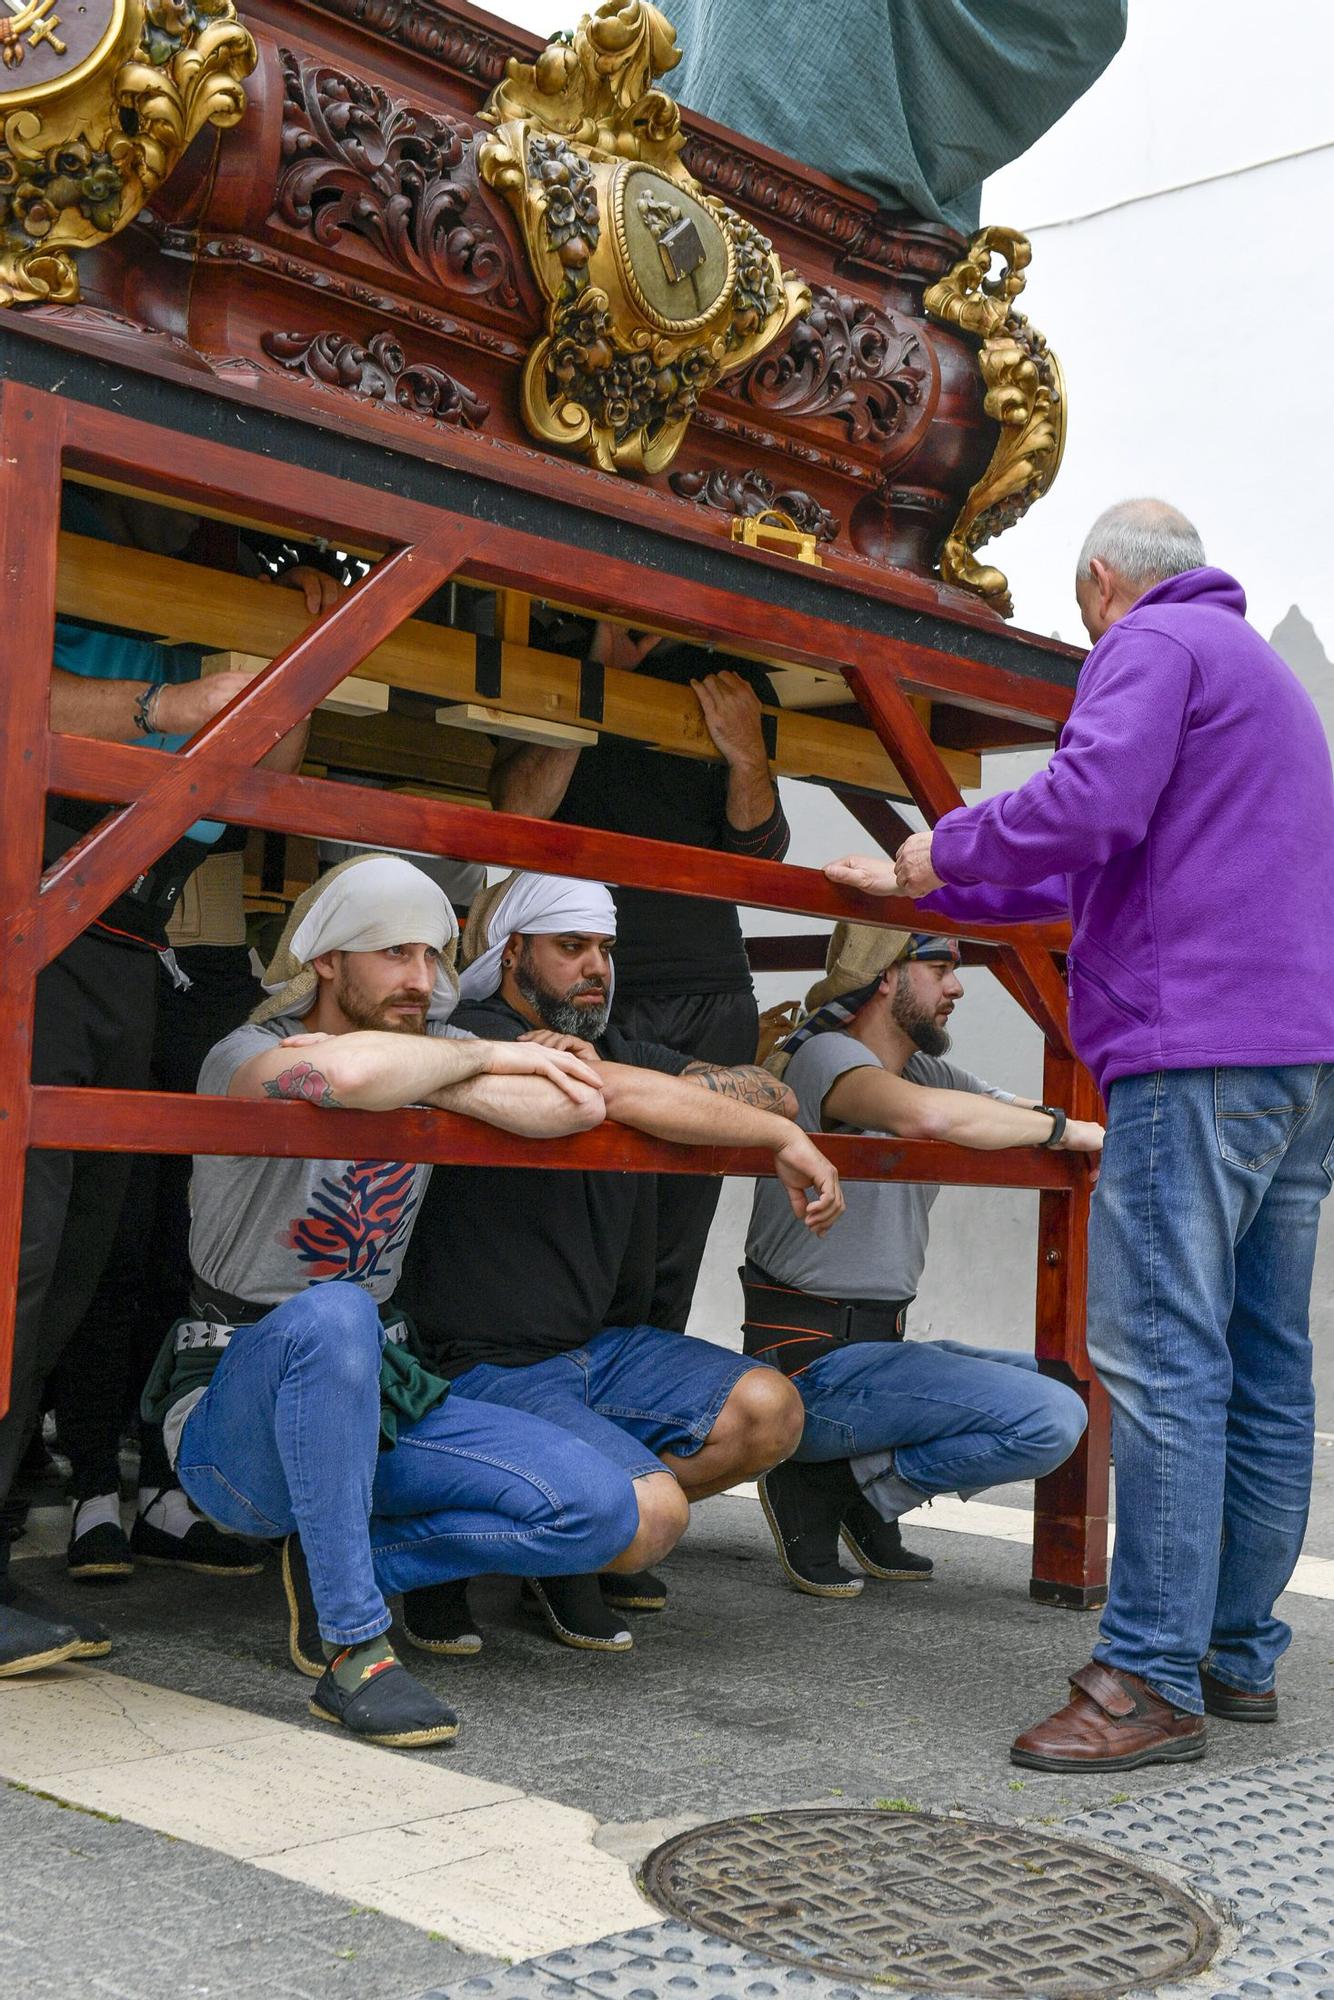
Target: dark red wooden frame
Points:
(215, 776)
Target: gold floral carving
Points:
(654, 289)
(1025, 394)
(94, 114)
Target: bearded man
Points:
(889, 1422)
(289, 1404)
(533, 1288)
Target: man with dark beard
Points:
(533, 1289)
(889, 1422)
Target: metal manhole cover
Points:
(915, 1900)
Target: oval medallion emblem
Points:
(678, 265)
(48, 45)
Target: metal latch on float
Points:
(777, 532)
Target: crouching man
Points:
(889, 1422)
(289, 1405)
(532, 1289)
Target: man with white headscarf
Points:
(289, 1404)
(533, 1288)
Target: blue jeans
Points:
(1201, 1249)
(630, 1392)
(286, 1439)
(921, 1417)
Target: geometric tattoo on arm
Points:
(304, 1083)
(747, 1082)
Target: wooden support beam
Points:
(185, 601)
(30, 442)
(116, 1121)
(245, 797)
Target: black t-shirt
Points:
(515, 1264)
(672, 944)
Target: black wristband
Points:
(1058, 1123)
(145, 705)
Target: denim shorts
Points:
(632, 1392)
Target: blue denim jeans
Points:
(286, 1439)
(921, 1417)
(630, 1392)
(1201, 1248)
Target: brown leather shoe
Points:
(1235, 1703)
(1112, 1722)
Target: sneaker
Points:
(436, 1619)
(100, 1554)
(27, 1644)
(640, 1591)
(388, 1707)
(878, 1546)
(304, 1645)
(93, 1641)
(202, 1548)
(804, 1506)
(573, 1608)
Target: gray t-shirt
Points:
(265, 1229)
(878, 1247)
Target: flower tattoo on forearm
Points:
(303, 1084)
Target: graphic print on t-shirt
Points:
(356, 1221)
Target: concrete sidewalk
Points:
(216, 1839)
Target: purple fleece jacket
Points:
(1186, 825)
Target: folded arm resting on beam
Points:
(520, 1087)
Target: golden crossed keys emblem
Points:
(38, 20)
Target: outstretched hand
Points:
(801, 1166)
(870, 874)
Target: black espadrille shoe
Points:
(202, 1548)
(100, 1554)
(387, 1706)
(436, 1619)
(304, 1645)
(878, 1546)
(28, 1644)
(638, 1591)
(804, 1506)
(573, 1608)
(92, 1641)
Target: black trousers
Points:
(712, 1027)
(146, 1280)
(93, 1026)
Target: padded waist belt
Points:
(216, 1314)
(790, 1328)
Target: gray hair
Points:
(1143, 542)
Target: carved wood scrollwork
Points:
(845, 359)
(380, 371)
(358, 162)
(743, 494)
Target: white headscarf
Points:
(535, 906)
(368, 903)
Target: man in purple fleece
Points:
(1186, 825)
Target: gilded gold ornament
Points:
(98, 100)
(654, 289)
(1025, 394)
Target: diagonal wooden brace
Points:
(100, 867)
(901, 730)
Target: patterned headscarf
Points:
(859, 957)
